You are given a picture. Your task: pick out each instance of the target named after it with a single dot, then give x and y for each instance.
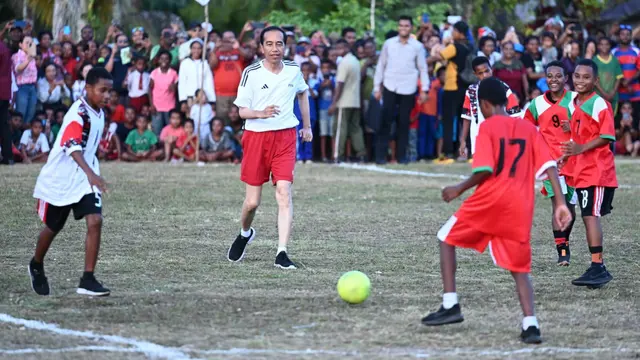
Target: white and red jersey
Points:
(61, 181)
(471, 110)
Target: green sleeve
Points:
(131, 138)
(153, 139)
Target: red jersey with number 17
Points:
(591, 120)
(548, 116)
(516, 154)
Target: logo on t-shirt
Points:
(264, 87)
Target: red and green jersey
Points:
(516, 154)
(548, 116)
(591, 120)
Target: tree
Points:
(75, 13)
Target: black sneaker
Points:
(90, 286)
(283, 261)
(564, 254)
(444, 316)
(239, 246)
(596, 276)
(39, 282)
(531, 335)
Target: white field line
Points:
(152, 350)
(375, 168)
(148, 348)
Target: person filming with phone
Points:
(24, 67)
(51, 88)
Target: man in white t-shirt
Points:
(266, 94)
(34, 146)
(70, 180)
(471, 114)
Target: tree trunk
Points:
(67, 12)
(117, 11)
(82, 20)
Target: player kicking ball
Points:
(70, 181)
(510, 155)
(549, 112)
(265, 98)
(592, 131)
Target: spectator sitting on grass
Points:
(171, 133)
(217, 146)
(187, 146)
(56, 124)
(627, 136)
(110, 147)
(235, 131)
(124, 128)
(34, 145)
(141, 143)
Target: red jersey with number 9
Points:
(591, 120)
(548, 116)
(516, 154)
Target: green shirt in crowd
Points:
(141, 142)
(609, 72)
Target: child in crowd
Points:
(549, 50)
(171, 133)
(325, 98)
(202, 113)
(109, 147)
(217, 145)
(628, 143)
(127, 126)
(162, 92)
(137, 82)
(187, 146)
(16, 128)
(428, 122)
(305, 149)
(57, 123)
(146, 111)
(34, 146)
(235, 131)
(115, 108)
(141, 143)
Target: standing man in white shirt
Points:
(265, 99)
(401, 63)
(70, 180)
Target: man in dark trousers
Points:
(5, 96)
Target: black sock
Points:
(87, 274)
(35, 264)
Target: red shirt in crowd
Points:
(228, 72)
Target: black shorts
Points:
(56, 216)
(595, 200)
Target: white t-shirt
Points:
(137, 88)
(61, 181)
(205, 116)
(260, 88)
(41, 145)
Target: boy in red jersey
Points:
(510, 155)
(550, 112)
(595, 169)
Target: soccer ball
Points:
(354, 287)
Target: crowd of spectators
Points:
(394, 102)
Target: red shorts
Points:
(139, 102)
(508, 254)
(268, 153)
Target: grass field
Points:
(174, 295)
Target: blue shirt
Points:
(325, 95)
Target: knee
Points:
(94, 222)
(283, 195)
(251, 203)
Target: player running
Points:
(592, 131)
(70, 180)
(510, 155)
(265, 98)
(471, 113)
(550, 112)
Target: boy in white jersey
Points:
(471, 114)
(70, 180)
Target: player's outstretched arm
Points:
(562, 215)
(94, 179)
(452, 192)
(268, 112)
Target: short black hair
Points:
(342, 41)
(441, 69)
(607, 39)
(37, 122)
(306, 63)
(483, 40)
(462, 27)
(94, 75)
(589, 63)
(213, 121)
(347, 30)
(492, 90)
(164, 52)
(273, 28)
(190, 120)
(556, 63)
(390, 34)
(40, 112)
(407, 18)
(176, 111)
(548, 34)
(16, 114)
(530, 38)
(140, 116)
(479, 60)
(41, 34)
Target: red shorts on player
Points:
(508, 254)
(268, 153)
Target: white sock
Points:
(245, 233)
(449, 300)
(280, 249)
(529, 321)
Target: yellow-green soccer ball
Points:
(354, 287)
